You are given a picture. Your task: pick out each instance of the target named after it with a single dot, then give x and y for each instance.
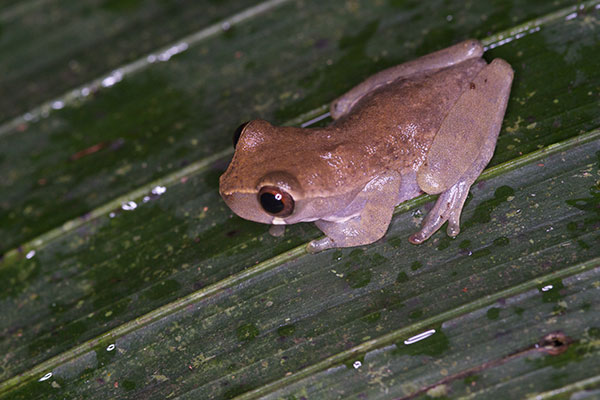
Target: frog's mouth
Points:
(246, 206)
(278, 221)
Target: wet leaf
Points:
(124, 274)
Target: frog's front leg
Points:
(375, 206)
(440, 59)
(463, 147)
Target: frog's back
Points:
(398, 121)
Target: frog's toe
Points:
(317, 245)
(453, 229)
(454, 223)
(432, 223)
(418, 238)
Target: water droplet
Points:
(419, 337)
(45, 377)
(129, 206)
(571, 16)
(517, 35)
(30, 255)
(114, 77)
(110, 347)
(171, 51)
(357, 364)
(158, 190)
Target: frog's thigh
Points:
(440, 59)
(469, 131)
(379, 197)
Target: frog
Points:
(429, 125)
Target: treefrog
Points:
(428, 125)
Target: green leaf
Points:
(124, 274)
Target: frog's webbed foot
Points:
(447, 208)
(376, 204)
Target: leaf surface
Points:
(125, 275)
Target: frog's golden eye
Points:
(238, 133)
(276, 201)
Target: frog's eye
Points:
(276, 201)
(237, 133)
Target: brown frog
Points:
(428, 125)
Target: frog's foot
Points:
(447, 208)
(366, 228)
(317, 245)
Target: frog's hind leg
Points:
(463, 147)
(440, 59)
(448, 207)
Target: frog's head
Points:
(283, 175)
(260, 184)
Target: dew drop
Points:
(129, 206)
(158, 190)
(45, 377)
(419, 337)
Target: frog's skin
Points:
(429, 125)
